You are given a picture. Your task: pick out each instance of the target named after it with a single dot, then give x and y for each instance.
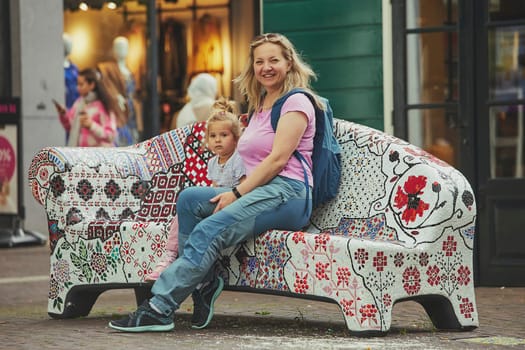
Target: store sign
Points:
(9, 119)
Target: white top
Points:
(227, 174)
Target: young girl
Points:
(225, 169)
(90, 121)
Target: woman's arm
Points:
(290, 130)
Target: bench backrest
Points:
(392, 190)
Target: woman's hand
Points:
(223, 200)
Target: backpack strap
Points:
(274, 119)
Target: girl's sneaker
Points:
(166, 261)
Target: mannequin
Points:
(70, 72)
(128, 134)
(202, 93)
(120, 52)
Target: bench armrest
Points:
(139, 182)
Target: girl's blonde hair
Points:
(299, 76)
(224, 110)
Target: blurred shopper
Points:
(90, 121)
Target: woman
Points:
(273, 195)
(90, 121)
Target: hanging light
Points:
(83, 6)
(114, 4)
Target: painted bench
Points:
(401, 228)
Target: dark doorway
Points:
(500, 102)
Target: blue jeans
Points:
(280, 204)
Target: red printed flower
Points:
(43, 174)
(449, 246)
(398, 259)
(347, 306)
(409, 197)
(343, 276)
(463, 275)
(433, 275)
(423, 259)
(85, 190)
(298, 237)
(321, 240)
(112, 190)
(301, 284)
(466, 307)
(380, 261)
(368, 311)
(411, 280)
(387, 300)
(320, 271)
(361, 256)
(57, 185)
(108, 246)
(158, 245)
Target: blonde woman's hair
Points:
(299, 76)
(224, 110)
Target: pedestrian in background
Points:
(90, 121)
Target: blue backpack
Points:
(326, 156)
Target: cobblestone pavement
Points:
(242, 320)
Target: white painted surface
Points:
(38, 76)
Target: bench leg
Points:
(441, 312)
(78, 303)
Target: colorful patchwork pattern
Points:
(401, 227)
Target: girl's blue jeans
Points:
(280, 204)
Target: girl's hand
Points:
(60, 109)
(223, 200)
(85, 120)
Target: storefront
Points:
(171, 40)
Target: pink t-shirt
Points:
(256, 141)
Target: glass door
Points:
(506, 92)
(428, 90)
(500, 102)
